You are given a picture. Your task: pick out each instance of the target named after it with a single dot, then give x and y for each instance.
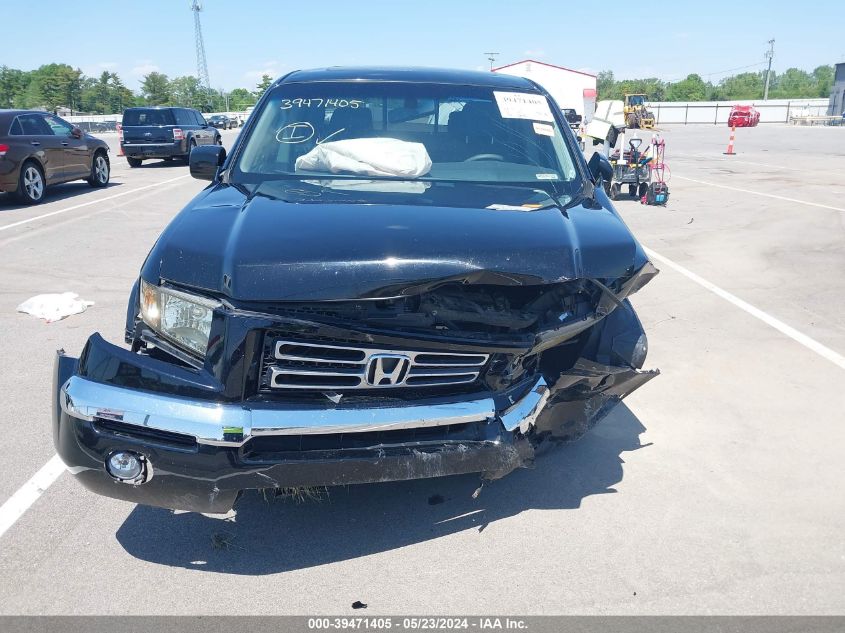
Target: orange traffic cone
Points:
(120, 140)
(731, 151)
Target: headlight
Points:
(180, 317)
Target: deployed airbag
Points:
(368, 156)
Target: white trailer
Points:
(570, 88)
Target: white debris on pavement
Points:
(55, 306)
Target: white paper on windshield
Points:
(522, 105)
(544, 128)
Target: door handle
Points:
(35, 143)
(65, 144)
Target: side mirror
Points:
(600, 168)
(205, 160)
(76, 132)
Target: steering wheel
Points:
(485, 157)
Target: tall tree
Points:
(261, 88)
(692, 88)
(793, 83)
(742, 86)
(186, 91)
(823, 76)
(606, 86)
(240, 98)
(155, 88)
(51, 86)
(13, 82)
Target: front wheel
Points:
(614, 191)
(31, 183)
(100, 170)
(220, 140)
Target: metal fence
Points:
(716, 112)
(98, 123)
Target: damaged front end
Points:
(448, 377)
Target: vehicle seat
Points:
(479, 128)
(355, 123)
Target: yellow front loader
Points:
(636, 114)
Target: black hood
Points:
(296, 241)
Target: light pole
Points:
(491, 57)
(769, 54)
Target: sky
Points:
(245, 39)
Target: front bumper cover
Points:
(155, 150)
(198, 451)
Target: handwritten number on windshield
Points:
(316, 102)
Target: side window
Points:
(16, 129)
(34, 125)
(58, 126)
(183, 116)
(199, 118)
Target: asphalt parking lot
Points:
(713, 489)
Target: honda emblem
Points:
(387, 370)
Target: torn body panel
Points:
(535, 385)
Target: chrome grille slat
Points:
(352, 371)
(441, 371)
(320, 366)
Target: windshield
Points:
(402, 130)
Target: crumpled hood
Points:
(295, 241)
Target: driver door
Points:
(76, 151)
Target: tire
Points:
(187, 157)
(100, 170)
(614, 191)
(631, 121)
(220, 140)
(632, 191)
(643, 190)
(31, 183)
(134, 162)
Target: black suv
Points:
(163, 133)
(395, 274)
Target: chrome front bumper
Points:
(233, 424)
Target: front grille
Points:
(322, 366)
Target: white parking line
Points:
(780, 326)
(760, 193)
(27, 494)
(90, 202)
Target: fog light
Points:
(125, 465)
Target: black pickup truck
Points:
(394, 274)
(572, 117)
(164, 132)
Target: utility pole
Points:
(769, 55)
(202, 64)
(492, 58)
